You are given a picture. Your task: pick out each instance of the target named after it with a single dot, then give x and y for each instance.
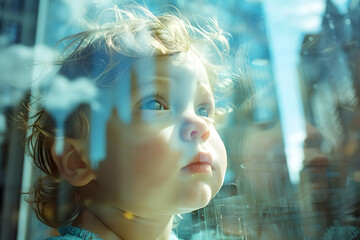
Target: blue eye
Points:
(152, 105)
(203, 111)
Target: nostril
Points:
(194, 130)
(194, 134)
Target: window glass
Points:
(179, 119)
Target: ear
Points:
(73, 164)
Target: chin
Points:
(195, 199)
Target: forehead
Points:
(180, 68)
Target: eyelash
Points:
(208, 107)
(147, 100)
(160, 99)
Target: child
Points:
(147, 149)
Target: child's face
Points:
(147, 166)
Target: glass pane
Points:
(179, 119)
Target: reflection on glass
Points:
(151, 127)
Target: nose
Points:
(194, 128)
(313, 137)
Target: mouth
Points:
(200, 164)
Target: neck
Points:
(112, 224)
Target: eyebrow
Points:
(205, 90)
(155, 81)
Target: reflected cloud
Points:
(65, 96)
(17, 71)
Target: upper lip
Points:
(201, 157)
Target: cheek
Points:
(139, 155)
(154, 163)
(220, 152)
(220, 160)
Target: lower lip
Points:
(198, 168)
